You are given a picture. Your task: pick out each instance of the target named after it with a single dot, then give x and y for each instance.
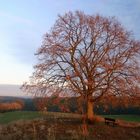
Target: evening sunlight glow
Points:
(69, 69)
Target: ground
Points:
(60, 126)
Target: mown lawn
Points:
(133, 118)
(18, 115)
(29, 115)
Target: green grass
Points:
(133, 118)
(29, 115)
(18, 115)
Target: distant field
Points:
(29, 115)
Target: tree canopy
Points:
(88, 55)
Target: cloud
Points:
(127, 12)
(23, 24)
(19, 38)
(13, 72)
(17, 19)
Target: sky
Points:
(24, 22)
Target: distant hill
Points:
(12, 90)
(4, 99)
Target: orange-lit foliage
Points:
(43, 104)
(90, 56)
(123, 102)
(17, 105)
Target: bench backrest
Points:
(110, 119)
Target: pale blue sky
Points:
(23, 23)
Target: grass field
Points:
(62, 128)
(18, 115)
(29, 115)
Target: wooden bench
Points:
(110, 121)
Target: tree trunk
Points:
(90, 113)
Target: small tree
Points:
(91, 56)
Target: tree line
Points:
(71, 105)
(11, 106)
(64, 104)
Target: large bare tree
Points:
(91, 56)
